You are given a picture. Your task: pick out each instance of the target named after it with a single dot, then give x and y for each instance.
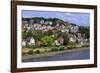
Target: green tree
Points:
(24, 35)
(66, 38)
(29, 34)
(85, 30)
(37, 35)
(63, 35)
(47, 40)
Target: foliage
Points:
(71, 45)
(85, 45)
(29, 34)
(66, 39)
(85, 30)
(37, 35)
(30, 52)
(61, 48)
(31, 46)
(54, 49)
(24, 35)
(47, 40)
(37, 51)
(24, 53)
(63, 35)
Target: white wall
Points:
(5, 36)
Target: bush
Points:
(54, 49)
(74, 46)
(37, 51)
(61, 48)
(31, 46)
(24, 53)
(85, 46)
(47, 40)
(30, 52)
(69, 47)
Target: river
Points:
(76, 55)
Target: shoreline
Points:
(52, 53)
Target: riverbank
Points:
(52, 53)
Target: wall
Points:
(5, 36)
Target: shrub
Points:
(37, 51)
(61, 48)
(31, 46)
(30, 52)
(69, 47)
(85, 46)
(24, 53)
(73, 46)
(47, 40)
(54, 49)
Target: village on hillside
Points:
(41, 35)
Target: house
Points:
(64, 30)
(23, 43)
(41, 21)
(56, 42)
(49, 22)
(79, 35)
(74, 29)
(31, 41)
(62, 26)
(61, 40)
(72, 39)
(31, 21)
(38, 43)
(24, 24)
(49, 27)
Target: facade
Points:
(55, 26)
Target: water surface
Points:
(76, 55)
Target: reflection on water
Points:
(77, 55)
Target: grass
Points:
(30, 51)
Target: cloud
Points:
(69, 14)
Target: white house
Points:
(74, 29)
(23, 43)
(50, 22)
(64, 30)
(42, 22)
(71, 39)
(56, 42)
(31, 41)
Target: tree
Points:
(47, 40)
(37, 35)
(66, 38)
(63, 35)
(24, 35)
(29, 34)
(85, 30)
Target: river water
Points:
(76, 55)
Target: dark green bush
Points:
(85, 46)
(31, 46)
(30, 52)
(54, 49)
(24, 53)
(69, 47)
(37, 51)
(61, 48)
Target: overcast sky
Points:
(72, 17)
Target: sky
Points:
(82, 19)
